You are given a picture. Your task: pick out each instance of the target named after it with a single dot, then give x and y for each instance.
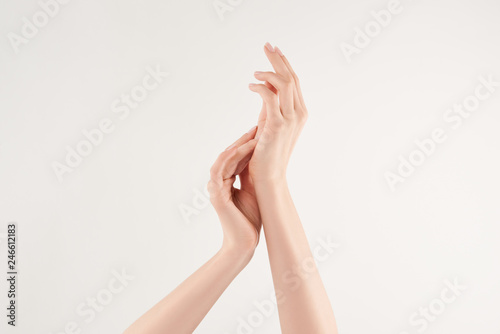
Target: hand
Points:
(237, 208)
(281, 120)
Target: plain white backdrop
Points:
(120, 208)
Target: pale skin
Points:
(259, 158)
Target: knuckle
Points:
(300, 115)
(288, 82)
(288, 86)
(279, 124)
(285, 80)
(303, 118)
(302, 112)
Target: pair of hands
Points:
(260, 156)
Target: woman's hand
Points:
(237, 208)
(281, 120)
(184, 308)
(304, 306)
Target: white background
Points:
(119, 209)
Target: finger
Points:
(274, 80)
(223, 169)
(261, 122)
(218, 188)
(288, 66)
(270, 99)
(298, 90)
(243, 139)
(237, 159)
(217, 172)
(276, 61)
(271, 87)
(285, 89)
(244, 154)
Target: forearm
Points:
(303, 304)
(185, 307)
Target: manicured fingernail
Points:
(278, 50)
(269, 47)
(251, 85)
(258, 72)
(252, 129)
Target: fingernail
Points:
(278, 50)
(269, 47)
(252, 129)
(258, 72)
(251, 85)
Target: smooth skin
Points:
(303, 303)
(185, 307)
(260, 158)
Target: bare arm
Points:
(303, 303)
(185, 307)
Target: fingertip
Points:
(252, 129)
(268, 47)
(257, 88)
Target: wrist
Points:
(239, 254)
(271, 182)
